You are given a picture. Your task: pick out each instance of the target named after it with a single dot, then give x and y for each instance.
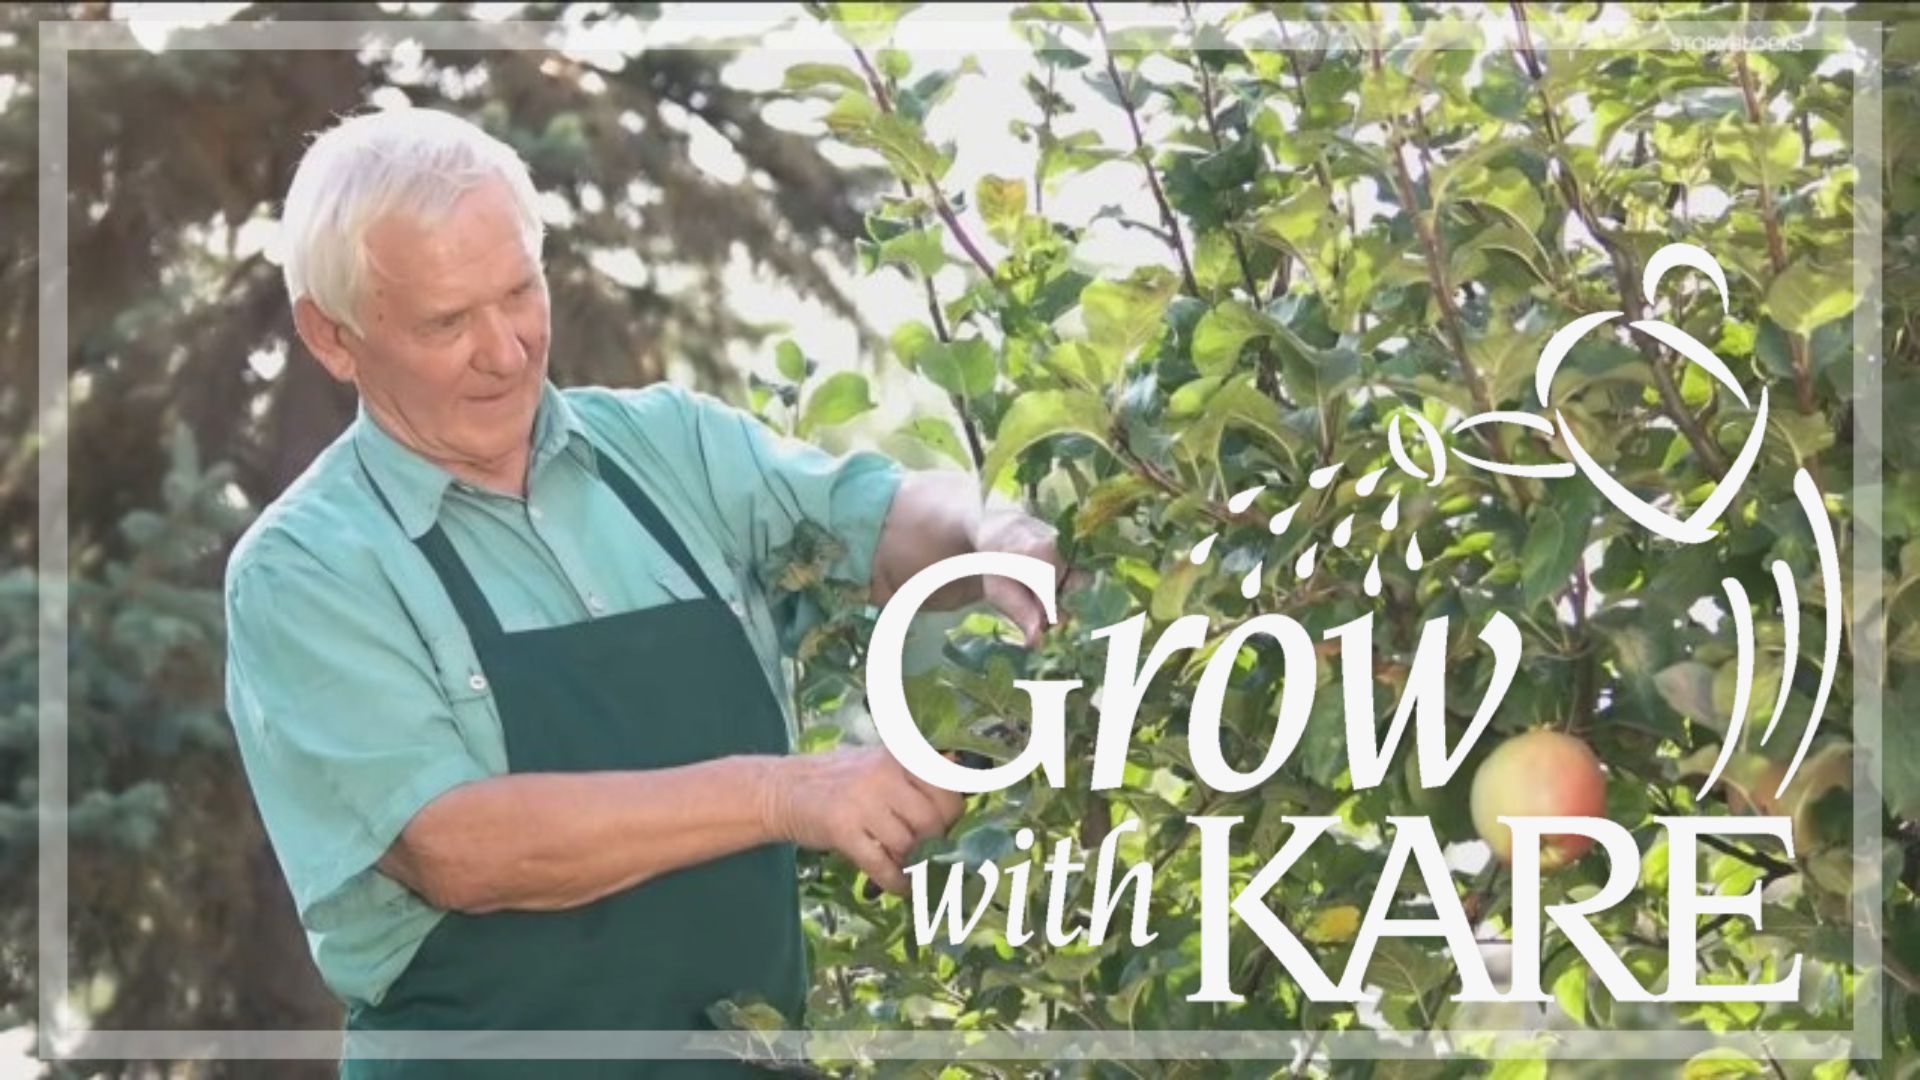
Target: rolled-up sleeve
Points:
(342, 725)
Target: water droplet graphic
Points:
(1202, 549)
(1372, 582)
(1391, 519)
(1250, 585)
(1320, 478)
(1281, 520)
(1245, 498)
(1369, 482)
(1343, 532)
(1303, 567)
(1414, 560)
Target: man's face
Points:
(456, 330)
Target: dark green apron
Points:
(648, 689)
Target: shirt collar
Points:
(414, 486)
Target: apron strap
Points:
(465, 592)
(649, 516)
(447, 565)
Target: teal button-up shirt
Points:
(354, 691)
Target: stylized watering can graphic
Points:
(1696, 528)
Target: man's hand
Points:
(1019, 533)
(937, 515)
(859, 802)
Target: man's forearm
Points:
(548, 841)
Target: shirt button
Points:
(534, 513)
(739, 609)
(477, 681)
(595, 604)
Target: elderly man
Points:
(503, 667)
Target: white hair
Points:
(414, 163)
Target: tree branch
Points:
(1776, 248)
(1267, 380)
(879, 88)
(940, 204)
(1423, 225)
(1140, 152)
(1625, 278)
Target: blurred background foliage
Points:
(192, 405)
(1237, 359)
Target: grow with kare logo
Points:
(1562, 823)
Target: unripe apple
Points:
(1538, 774)
(1752, 781)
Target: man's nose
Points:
(499, 349)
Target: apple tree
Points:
(1369, 220)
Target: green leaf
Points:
(1048, 12)
(937, 434)
(1805, 296)
(1570, 990)
(1901, 755)
(818, 736)
(1507, 190)
(841, 397)
(752, 1015)
(851, 115)
(809, 76)
(919, 249)
(867, 24)
(1038, 414)
(1506, 359)
(1398, 967)
(1233, 403)
(1518, 1068)
(1303, 225)
(1556, 538)
(1465, 166)
(965, 367)
(1759, 154)
(1720, 1063)
(1316, 376)
(1169, 600)
(791, 362)
(1386, 94)
(910, 341)
(1223, 332)
(1688, 687)
(895, 64)
(895, 137)
(1122, 316)
(1002, 202)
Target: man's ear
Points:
(325, 338)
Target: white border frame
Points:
(59, 40)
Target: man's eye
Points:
(447, 322)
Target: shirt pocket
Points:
(462, 680)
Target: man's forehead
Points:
(444, 259)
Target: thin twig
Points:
(1776, 247)
(974, 446)
(967, 427)
(1146, 160)
(1450, 319)
(939, 198)
(1624, 275)
(1266, 380)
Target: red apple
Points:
(1538, 774)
